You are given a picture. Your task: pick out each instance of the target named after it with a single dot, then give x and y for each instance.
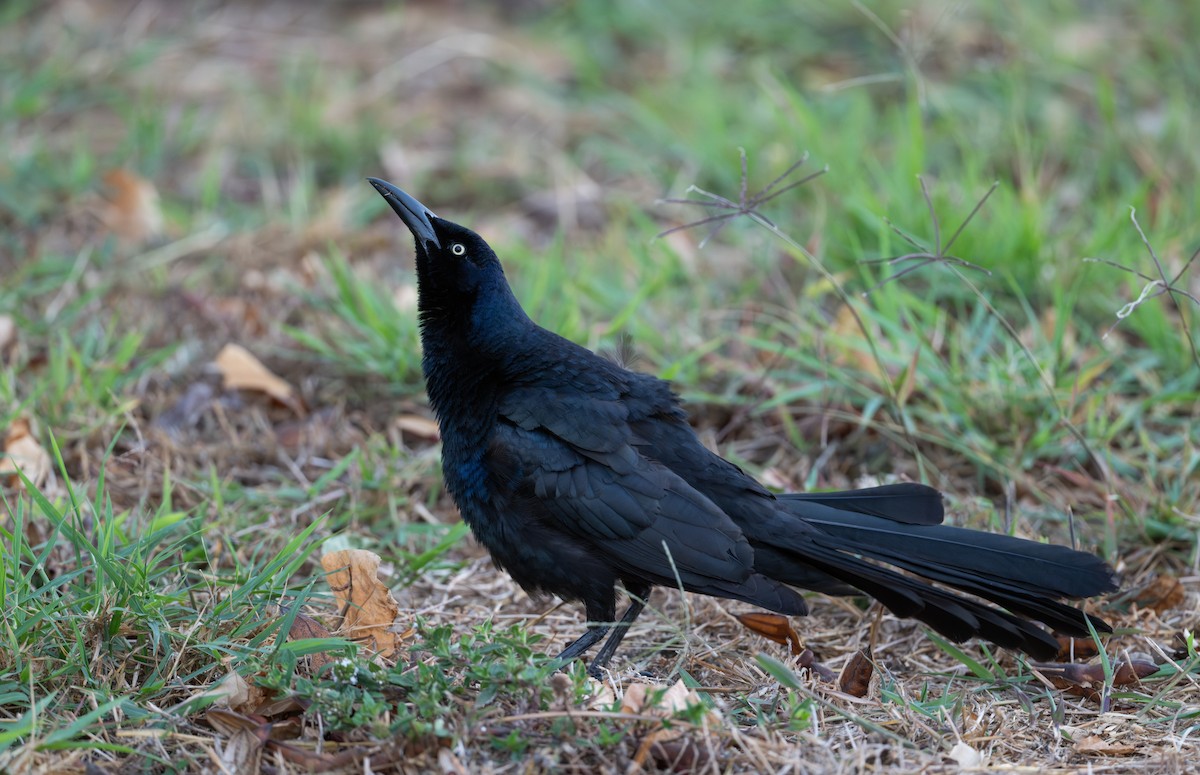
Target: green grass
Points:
(152, 563)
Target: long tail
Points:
(852, 537)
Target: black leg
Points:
(600, 622)
(601, 610)
(614, 639)
(584, 642)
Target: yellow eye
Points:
(457, 249)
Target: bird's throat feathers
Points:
(469, 339)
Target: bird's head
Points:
(449, 256)
(459, 279)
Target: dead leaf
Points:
(602, 695)
(1098, 746)
(227, 721)
(416, 425)
(666, 744)
(8, 337)
(646, 700)
(133, 212)
(635, 697)
(308, 627)
(1131, 671)
(1163, 594)
(561, 685)
(773, 627)
(232, 691)
(808, 661)
(1087, 680)
(967, 757)
(23, 453)
(235, 693)
(241, 752)
(247, 727)
(672, 751)
(1075, 649)
(855, 679)
(369, 611)
(290, 706)
(242, 371)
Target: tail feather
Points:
(1016, 595)
(853, 537)
(1043, 568)
(907, 502)
(957, 618)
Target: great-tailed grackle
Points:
(576, 473)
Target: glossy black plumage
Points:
(576, 473)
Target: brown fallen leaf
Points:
(288, 707)
(242, 751)
(228, 721)
(308, 627)
(1098, 746)
(236, 694)
(602, 696)
(8, 337)
(1164, 593)
(772, 627)
(672, 751)
(416, 425)
(242, 371)
(246, 728)
(1087, 680)
(1131, 671)
(368, 609)
(21, 452)
(635, 697)
(1074, 649)
(808, 661)
(666, 744)
(855, 679)
(646, 700)
(132, 212)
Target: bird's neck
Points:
(469, 353)
(463, 385)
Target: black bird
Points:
(576, 473)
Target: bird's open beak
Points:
(414, 214)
